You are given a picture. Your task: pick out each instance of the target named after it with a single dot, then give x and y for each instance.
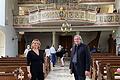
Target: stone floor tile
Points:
(60, 73)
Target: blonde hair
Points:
(38, 41)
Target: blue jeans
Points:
(53, 56)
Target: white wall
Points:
(88, 36)
(2, 12)
(117, 5)
(2, 43)
(103, 41)
(11, 46)
(45, 38)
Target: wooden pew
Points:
(47, 65)
(8, 65)
(102, 54)
(99, 59)
(13, 59)
(101, 68)
(11, 69)
(7, 76)
(111, 72)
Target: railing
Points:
(38, 17)
(48, 15)
(21, 20)
(71, 6)
(107, 18)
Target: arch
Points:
(2, 43)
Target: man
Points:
(80, 59)
(53, 55)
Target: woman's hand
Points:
(29, 75)
(87, 73)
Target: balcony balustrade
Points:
(107, 18)
(54, 6)
(21, 20)
(71, 15)
(52, 15)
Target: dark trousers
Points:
(78, 77)
(76, 74)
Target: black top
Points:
(35, 61)
(61, 53)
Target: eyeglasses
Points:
(36, 43)
(77, 39)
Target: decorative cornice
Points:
(104, 28)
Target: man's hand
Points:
(70, 71)
(29, 75)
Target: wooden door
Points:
(66, 42)
(21, 44)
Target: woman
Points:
(60, 53)
(53, 55)
(35, 61)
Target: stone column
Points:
(53, 38)
(77, 33)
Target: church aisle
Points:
(60, 73)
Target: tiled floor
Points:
(60, 73)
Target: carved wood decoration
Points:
(66, 42)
